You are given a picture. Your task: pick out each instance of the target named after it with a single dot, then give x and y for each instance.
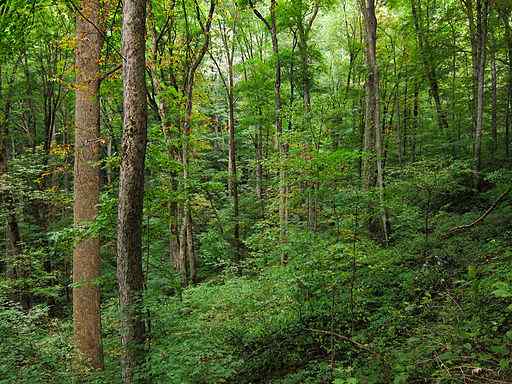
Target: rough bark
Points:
(86, 255)
(131, 191)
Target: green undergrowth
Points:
(425, 309)
(436, 310)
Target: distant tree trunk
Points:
(304, 30)
(169, 133)
(131, 190)
(187, 256)
(429, 66)
(415, 123)
(482, 8)
(30, 113)
(86, 256)
(373, 104)
(16, 267)
(281, 143)
(494, 101)
(229, 84)
(505, 17)
(232, 160)
(405, 119)
(259, 169)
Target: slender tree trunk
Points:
(232, 163)
(494, 101)
(373, 103)
(415, 122)
(186, 230)
(170, 135)
(131, 191)
(192, 259)
(281, 142)
(86, 256)
(259, 169)
(505, 16)
(30, 113)
(282, 145)
(15, 266)
(482, 18)
(306, 95)
(429, 67)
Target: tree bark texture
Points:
(86, 255)
(131, 191)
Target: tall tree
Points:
(131, 190)
(373, 139)
(426, 53)
(188, 263)
(228, 32)
(477, 13)
(86, 256)
(281, 142)
(305, 15)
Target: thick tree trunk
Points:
(131, 191)
(86, 256)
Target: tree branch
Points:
(462, 228)
(260, 16)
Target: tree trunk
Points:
(494, 106)
(481, 37)
(131, 191)
(373, 103)
(232, 164)
(86, 255)
(430, 70)
(505, 16)
(415, 122)
(15, 266)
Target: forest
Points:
(255, 191)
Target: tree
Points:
(373, 131)
(478, 31)
(281, 142)
(426, 53)
(131, 190)
(228, 32)
(194, 59)
(86, 256)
